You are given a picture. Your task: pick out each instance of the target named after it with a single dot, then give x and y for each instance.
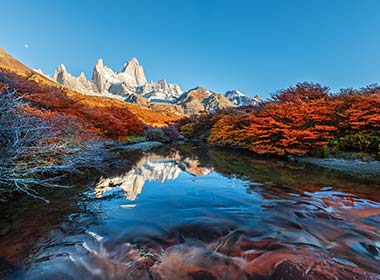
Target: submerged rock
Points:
(192, 262)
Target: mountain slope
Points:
(200, 100)
(107, 116)
(7, 62)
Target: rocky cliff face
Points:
(103, 77)
(132, 73)
(79, 83)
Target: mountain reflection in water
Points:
(151, 167)
(193, 212)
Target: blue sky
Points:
(257, 47)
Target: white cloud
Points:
(26, 45)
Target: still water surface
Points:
(194, 212)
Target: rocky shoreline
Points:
(351, 166)
(137, 146)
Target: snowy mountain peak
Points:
(61, 68)
(99, 63)
(82, 76)
(61, 74)
(235, 93)
(131, 64)
(240, 99)
(133, 73)
(133, 61)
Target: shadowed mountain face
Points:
(194, 212)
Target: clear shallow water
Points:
(192, 212)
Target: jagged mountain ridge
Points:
(127, 83)
(131, 85)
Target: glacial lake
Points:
(191, 211)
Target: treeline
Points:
(303, 119)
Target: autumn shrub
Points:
(198, 126)
(230, 130)
(188, 130)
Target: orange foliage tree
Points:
(296, 121)
(359, 110)
(230, 130)
(358, 118)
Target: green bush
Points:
(132, 139)
(156, 134)
(361, 142)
